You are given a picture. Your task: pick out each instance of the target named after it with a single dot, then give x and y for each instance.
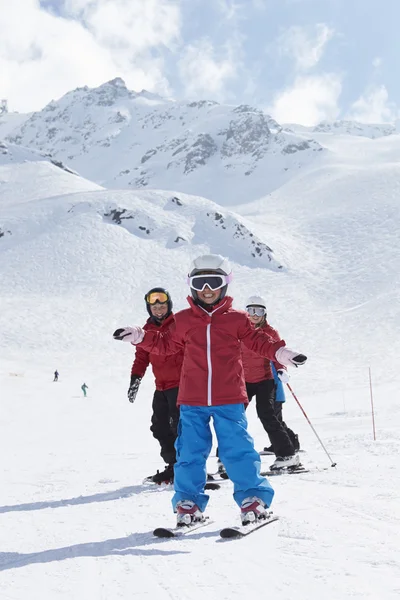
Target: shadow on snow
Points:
(118, 547)
(124, 492)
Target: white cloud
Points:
(44, 55)
(205, 74)
(308, 101)
(377, 62)
(230, 9)
(306, 49)
(374, 107)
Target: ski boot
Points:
(166, 476)
(188, 513)
(286, 462)
(296, 443)
(222, 471)
(253, 509)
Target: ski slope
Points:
(75, 519)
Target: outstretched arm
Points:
(167, 342)
(262, 343)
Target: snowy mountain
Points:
(343, 127)
(75, 262)
(122, 139)
(12, 154)
(10, 121)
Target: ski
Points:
(217, 477)
(293, 471)
(239, 532)
(211, 485)
(271, 453)
(163, 484)
(163, 532)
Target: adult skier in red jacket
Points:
(167, 372)
(212, 385)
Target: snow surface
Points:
(75, 519)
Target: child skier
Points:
(212, 385)
(84, 387)
(56, 374)
(260, 382)
(167, 372)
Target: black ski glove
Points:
(133, 388)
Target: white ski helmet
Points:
(214, 263)
(256, 301)
(210, 263)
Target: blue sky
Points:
(302, 60)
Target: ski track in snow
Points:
(76, 521)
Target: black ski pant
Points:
(164, 422)
(265, 392)
(278, 406)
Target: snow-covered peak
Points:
(121, 138)
(372, 131)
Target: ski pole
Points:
(310, 424)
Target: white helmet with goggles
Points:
(256, 306)
(256, 301)
(209, 270)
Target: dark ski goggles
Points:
(256, 311)
(154, 297)
(213, 282)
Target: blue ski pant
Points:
(236, 450)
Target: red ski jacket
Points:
(166, 369)
(212, 371)
(256, 367)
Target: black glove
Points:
(133, 388)
(300, 359)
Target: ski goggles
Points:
(213, 282)
(154, 297)
(256, 311)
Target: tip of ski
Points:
(229, 533)
(165, 532)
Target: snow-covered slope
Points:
(10, 121)
(344, 252)
(343, 127)
(75, 518)
(27, 175)
(122, 139)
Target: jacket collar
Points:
(222, 306)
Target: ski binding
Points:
(229, 533)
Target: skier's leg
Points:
(160, 427)
(265, 397)
(236, 449)
(173, 420)
(193, 446)
(294, 438)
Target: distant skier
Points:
(212, 385)
(56, 374)
(84, 387)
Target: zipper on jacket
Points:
(209, 364)
(209, 379)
